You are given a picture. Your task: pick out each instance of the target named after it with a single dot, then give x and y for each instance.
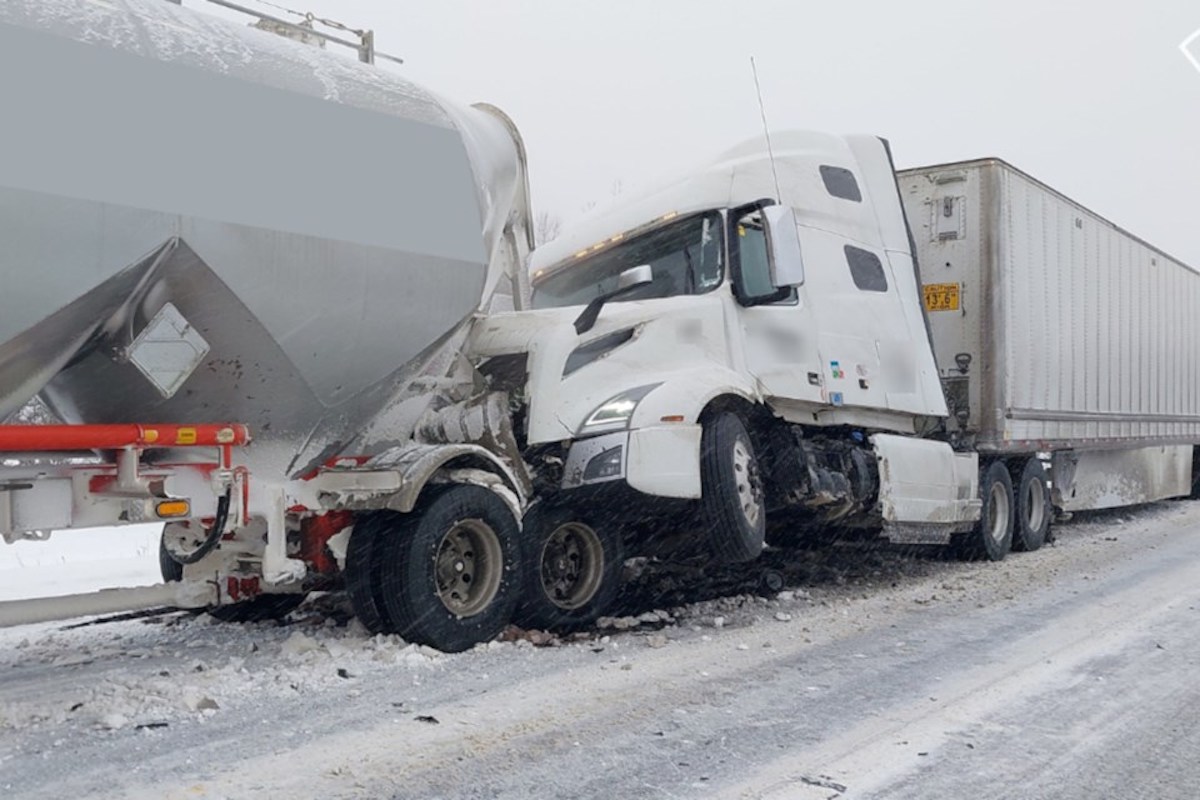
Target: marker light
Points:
(173, 509)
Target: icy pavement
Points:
(873, 652)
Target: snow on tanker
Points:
(212, 233)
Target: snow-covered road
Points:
(1063, 673)
(82, 560)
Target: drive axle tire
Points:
(1195, 495)
(573, 568)
(450, 573)
(362, 569)
(992, 537)
(1032, 491)
(732, 504)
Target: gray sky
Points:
(1094, 98)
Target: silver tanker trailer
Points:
(211, 232)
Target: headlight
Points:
(614, 413)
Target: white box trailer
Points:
(1056, 331)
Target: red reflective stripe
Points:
(32, 438)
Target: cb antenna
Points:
(762, 110)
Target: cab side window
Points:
(866, 269)
(840, 182)
(753, 275)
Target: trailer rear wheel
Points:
(992, 537)
(450, 574)
(574, 568)
(362, 569)
(1033, 506)
(732, 498)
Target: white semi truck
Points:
(799, 343)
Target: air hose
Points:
(213, 536)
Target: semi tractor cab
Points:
(751, 341)
(744, 355)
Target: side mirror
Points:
(783, 237)
(635, 276)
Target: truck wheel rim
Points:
(998, 513)
(747, 483)
(1035, 501)
(469, 565)
(572, 565)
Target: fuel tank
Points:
(205, 222)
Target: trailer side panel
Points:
(1055, 328)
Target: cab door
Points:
(779, 345)
(855, 311)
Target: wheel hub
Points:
(998, 512)
(748, 482)
(572, 565)
(469, 566)
(1036, 504)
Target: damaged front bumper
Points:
(597, 459)
(662, 461)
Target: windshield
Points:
(685, 258)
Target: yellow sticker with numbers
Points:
(941, 296)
